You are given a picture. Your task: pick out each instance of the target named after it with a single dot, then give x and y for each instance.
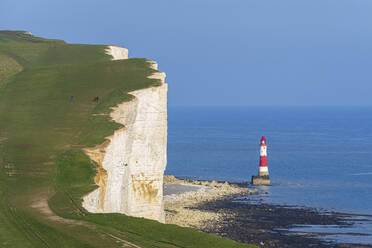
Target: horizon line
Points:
(270, 106)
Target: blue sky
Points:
(225, 52)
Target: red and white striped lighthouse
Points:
(263, 171)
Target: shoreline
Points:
(213, 208)
(179, 207)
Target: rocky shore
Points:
(216, 207)
(267, 225)
(181, 197)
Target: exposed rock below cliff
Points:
(182, 197)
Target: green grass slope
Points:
(43, 172)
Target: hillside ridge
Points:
(49, 112)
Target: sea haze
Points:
(318, 156)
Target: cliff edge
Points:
(47, 116)
(132, 161)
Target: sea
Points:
(318, 157)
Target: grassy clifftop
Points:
(42, 132)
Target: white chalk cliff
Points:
(117, 52)
(132, 161)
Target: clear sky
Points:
(225, 52)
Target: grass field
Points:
(43, 172)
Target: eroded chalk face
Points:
(135, 158)
(146, 189)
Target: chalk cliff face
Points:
(132, 161)
(117, 52)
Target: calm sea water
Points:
(318, 156)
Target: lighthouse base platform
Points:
(260, 180)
